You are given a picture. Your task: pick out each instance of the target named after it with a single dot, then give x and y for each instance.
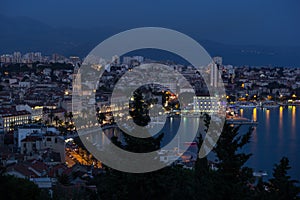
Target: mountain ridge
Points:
(25, 35)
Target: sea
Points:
(276, 134)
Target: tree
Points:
(70, 115)
(65, 116)
(142, 145)
(233, 178)
(97, 109)
(146, 185)
(202, 174)
(101, 117)
(56, 119)
(17, 188)
(281, 186)
(64, 179)
(50, 116)
(201, 165)
(139, 110)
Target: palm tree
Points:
(98, 109)
(70, 115)
(65, 116)
(56, 119)
(50, 116)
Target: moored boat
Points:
(247, 104)
(270, 104)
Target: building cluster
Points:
(49, 176)
(44, 91)
(256, 82)
(34, 57)
(38, 94)
(190, 81)
(37, 152)
(262, 83)
(36, 103)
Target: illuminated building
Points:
(206, 104)
(10, 118)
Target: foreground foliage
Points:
(231, 181)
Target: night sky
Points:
(268, 22)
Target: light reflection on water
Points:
(268, 121)
(280, 125)
(254, 114)
(294, 120)
(274, 137)
(242, 112)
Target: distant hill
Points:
(25, 35)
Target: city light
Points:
(150, 113)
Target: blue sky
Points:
(263, 22)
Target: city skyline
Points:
(244, 33)
(123, 99)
